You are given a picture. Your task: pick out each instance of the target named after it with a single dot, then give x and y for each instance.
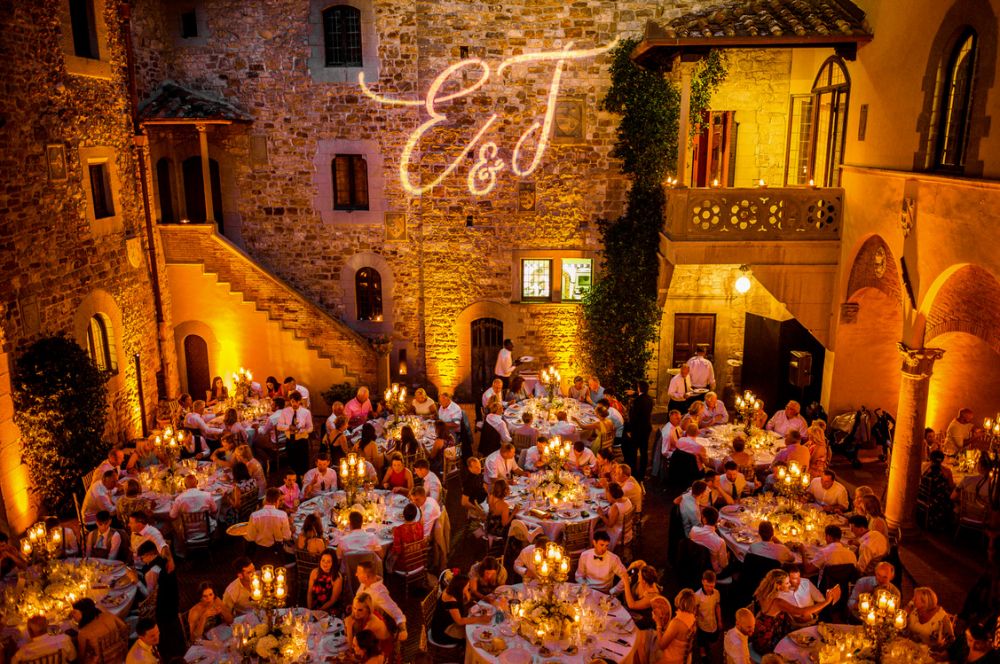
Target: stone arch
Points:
(347, 272)
(875, 266)
(458, 378)
(967, 301)
(203, 330)
(184, 146)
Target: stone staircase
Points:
(329, 337)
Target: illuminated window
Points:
(342, 36)
(100, 343)
(829, 122)
(955, 104)
(368, 294)
(799, 134)
(350, 182)
(536, 279)
(100, 191)
(577, 276)
(84, 26)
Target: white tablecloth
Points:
(327, 638)
(324, 504)
(558, 517)
(545, 413)
(738, 526)
(718, 442)
(616, 644)
(217, 481)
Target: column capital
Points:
(201, 127)
(918, 362)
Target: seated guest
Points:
(935, 488)
(525, 432)
(639, 600)
(524, 564)
(577, 390)
(237, 597)
(366, 648)
(473, 489)
(368, 448)
(613, 518)
(693, 415)
(198, 427)
(691, 503)
(450, 412)
(321, 479)
(563, 427)
(501, 465)
(272, 387)
(411, 530)
(872, 545)
(422, 405)
(268, 432)
(363, 618)
(829, 493)
(218, 393)
(598, 567)
(291, 496)
(243, 485)
(495, 419)
(143, 457)
(223, 457)
(605, 466)
(670, 433)
(793, 452)
(714, 412)
(534, 457)
(581, 459)
(744, 460)
(517, 391)
(834, 553)
(430, 509)
(706, 536)
(594, 391)
(772, 619)
(485, 577)
(145, 650)
(499, 514)
(787, 420)
(358, 409)
(94, 624)
(493, 395)
(231, 425)
(736, 645)
(310, 538)
(801, 592)
(268, 526)
(208, 613)
(116, 455)
(289, 385)
(142, 531)
(769, 547)
(357, 539)
(979, 638)
(689, 443)
(442, 440)
(41, 644)
(325, 583)
(103, 541)
(371, 584)
(452, 613)
(870, 506)
(100, 496)
(398, 477)
(819, 450)
(428, 480)
(974, 491)
(732, 482)
(881, 579)
(632, 488)
(409, 446)
(193, 499)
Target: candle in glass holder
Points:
(864, 602)
(870, 618)
(256, 593)
(900, 621)
(25, 546)
(279, 591)
(267, 574)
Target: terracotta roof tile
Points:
(770, 18)
(172, 101)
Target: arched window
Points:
(342, 36)
(829, 122)
(368, 292)
(955, 103)
(101, 343)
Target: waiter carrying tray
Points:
(505, 363)
(702, 371)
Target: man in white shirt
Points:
(802, 593)
(594, 391)
(501, 465)
(268, 526)
(958, 431)
(534, 457)
(632, 489)
(145, 650)
(269, 429)
(714, 413)
(524, 564)
(100, 496)
(731, 482)
(449, 412)
(116, 456)
(737, 644)
(289, 385)
(689, 443)
(196, 423)
(872, 545)
(691, 503)
(834, 553)
(829, 493)
(598, 567)
(680, 389)
(430, 509)
(581, 459)
(321, 479)
(495, 420)
(505, 363)
(371, 584)
(193, 499)
(563, 427)
(358, 540)
(785, 420)
(702, 371)
(237, 597)
(430, 482)
(41, 643)
(495, 393)
(882, 578)
(769, 547)
(296, 423)
(706, 536)
(616, 418)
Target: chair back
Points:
(51, 658)
(838, 575)
(576, 540)
(683, 469)
(522, 441)
(755, 568)
(414, 558)
(489, 440)
(692, 561)
(248, 505)
(112, 648)
(305, 563)
(628, 527)
(675, 532)
(441, 536)
(87, 480)
(197, 527)
(520, 530)
(972, 511)
(185, 627)
(427, 607)
(351, 561)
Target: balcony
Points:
(755, 214)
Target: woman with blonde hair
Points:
(143, 457)
(423, 405)
(773, 612)
(819, 450)
(927, 622)
(604, 428)
(675, 639)
(639, 599)
(245, 454)
(693, 415)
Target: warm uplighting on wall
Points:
(743, 282)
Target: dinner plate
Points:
(483, 610)
(516, 656)
(732, 509)
(569, 514)
(332, 644)
(485, 634)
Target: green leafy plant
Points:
(60, 407)
(621, 316)
(342, 392)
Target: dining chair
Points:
(412, 565)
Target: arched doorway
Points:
(487, 340)
(194, 190)
(196, 361)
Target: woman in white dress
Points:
(614, 517)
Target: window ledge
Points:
(89, 67)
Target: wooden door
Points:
(487, 340)
(690, 331)
(713, 150)
(196, 360)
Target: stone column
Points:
(206, 174)
(907, 447)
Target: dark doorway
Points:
(194, 191)
(196, 360)
(691, 331)
(714, 150)
(767, 351)
(164, 180)
(487, 340)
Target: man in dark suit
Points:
(640, 413)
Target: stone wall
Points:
(58, 266)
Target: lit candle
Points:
(871, 618)
(256, 594)
(279, 591)
(900, 621)
(25, 546)
(881, 601)
(279, 575)
(864, 602)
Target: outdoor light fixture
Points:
(743, 283)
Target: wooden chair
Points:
(185, 627)
(522, 442)
(196, 530)
(351, 561)
(972, 514)
(248, 505)
(412, 565)
(52, 658)
(305, 563)
(628, 540)
(576, 540)
(113, 648)
(438, 652)
(87, 480)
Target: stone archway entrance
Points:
(487, 338)
(199, 378)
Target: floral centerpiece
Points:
(52, 587)
(791, 520)
(392, 431)
(556, 486)
(242, 382)
(284, 641)
(968, 461)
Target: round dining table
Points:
(391, 512)
(161, 489)
(616, 640)
(324, 639)
(801, 523)
(544, 412)
(553, 517)
(718, 441)
(847, 643)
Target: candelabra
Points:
(39, 546)
(168, 446)
(395, 399)
(241, 384)
(269, 590)
(747, 406)
(551, 380)
(792, 481)
(881, 615)
(556, 452)
(353, 473)
(551, 565)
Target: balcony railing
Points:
(763, 214)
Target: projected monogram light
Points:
(482, 177)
